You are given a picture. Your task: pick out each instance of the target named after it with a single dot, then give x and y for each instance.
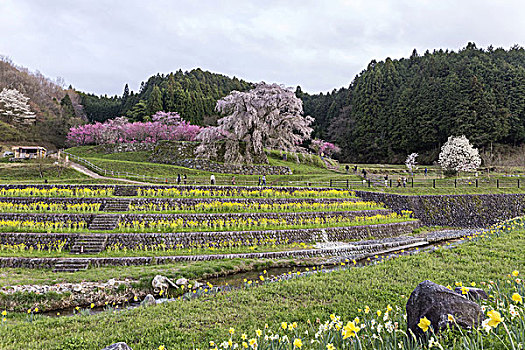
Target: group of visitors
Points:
(182, 178)
(262, 180)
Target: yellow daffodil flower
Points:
(424, 323)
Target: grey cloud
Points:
(98, 46)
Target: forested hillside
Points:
(192, 94)
(396, 107)
(55, 109)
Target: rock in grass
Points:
(162, 283)
(436, 303)
(148, 301)
(181, 282)
(118, 346)
(472, 293)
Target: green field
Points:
(192, 324)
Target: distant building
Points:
(29, 152)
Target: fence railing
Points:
(481, 182)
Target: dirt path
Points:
(82, 169)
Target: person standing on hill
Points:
(264, 180)
(178, 179)
(212, 179)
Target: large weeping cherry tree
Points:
(268, 116)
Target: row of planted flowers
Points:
(186, 225)
(231, 207)
(247, 224)
(177, 192)
(201, 207)
(118, 249)
(40, 207)
(56, 192)
(244, 193)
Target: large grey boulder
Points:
(118, 346)
(436, 302)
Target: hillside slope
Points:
(192, 94)
(56, 109)
(396, 107)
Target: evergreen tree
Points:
(155, 101)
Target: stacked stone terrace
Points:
(100, 226)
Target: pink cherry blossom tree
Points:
(165, 126)
(268, 116)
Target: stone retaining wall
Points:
(43, 239)
(289, 217)
(472, 210)
(378, 231)
(182, 153)
(133, 240)
(60, 200)
(52, 217)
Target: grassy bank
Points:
(184, 325)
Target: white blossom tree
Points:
(457, 154)
(267, 116)
(411, 162)
(14, 107)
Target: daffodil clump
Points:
(231, 207)
(243, 193)
(41, 207)
(503, 328)
(56, 192)
(249, 224)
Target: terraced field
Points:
(107, 225)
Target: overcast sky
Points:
(98, 46)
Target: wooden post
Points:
(434, 183)
(476, 183)
(497, 183)
(348, 183)
(455, 182)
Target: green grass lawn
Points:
(189, 269)
(30, 172)
(308, 171)
(189, 324)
